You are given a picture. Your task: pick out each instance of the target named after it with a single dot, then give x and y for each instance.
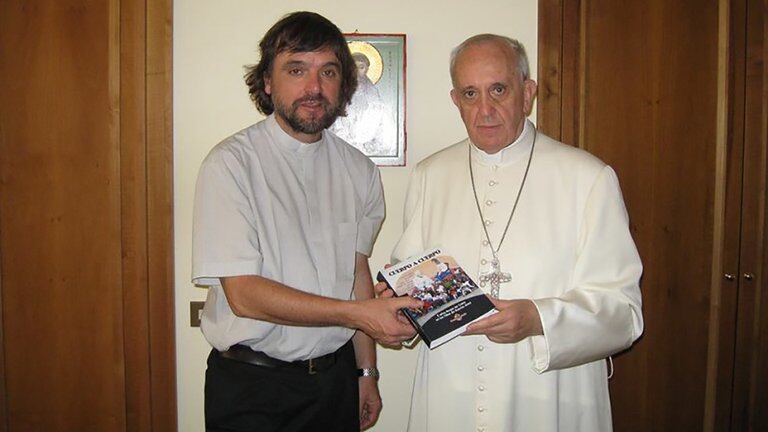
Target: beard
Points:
(312, 124)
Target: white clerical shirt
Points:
(568, 248)
(269, 205)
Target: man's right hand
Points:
(382, 319)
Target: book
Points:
(452, 300)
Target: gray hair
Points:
(513, 44)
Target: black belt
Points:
(245, 354)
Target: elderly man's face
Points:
(491, 95)
(305, 87)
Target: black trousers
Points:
(244, 397)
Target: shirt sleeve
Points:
(601, 314)
(225, 240)
(411, 241)
(373, 215)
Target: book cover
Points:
(452, 300)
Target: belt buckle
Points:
(311, 368)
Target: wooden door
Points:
(742, 396)
(85, 218)
(672, 95)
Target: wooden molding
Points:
(160, 257)
(560, 49)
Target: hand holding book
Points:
(376, 319)
(381, 289)
(516, 320)
(450, 298)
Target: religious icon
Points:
(375, 121)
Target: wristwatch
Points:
(368, 372)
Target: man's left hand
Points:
(381, 290)
(370, 402)
(515, 321)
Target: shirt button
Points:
(481, 388)
(481, 429)
(489, 203)
(485, 243)
(480, 409)
(488, 222)
(495, 167)
(481, 368)
(492, 183)
(480, 347)
(483, 261)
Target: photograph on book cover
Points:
(436, 282)
(375, 120)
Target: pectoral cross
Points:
(495, 277)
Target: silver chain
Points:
(514, 207)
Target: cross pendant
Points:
(495, 277)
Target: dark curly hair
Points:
(300, 32)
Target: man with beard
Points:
(284, 220)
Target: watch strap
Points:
(368, 372)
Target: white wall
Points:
(212, 42)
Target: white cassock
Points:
(568, 248)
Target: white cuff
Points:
(539, 346)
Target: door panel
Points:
(750, 373)
(649, 102)
(85, 257)
(60, 228)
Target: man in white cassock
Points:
(544, 230)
